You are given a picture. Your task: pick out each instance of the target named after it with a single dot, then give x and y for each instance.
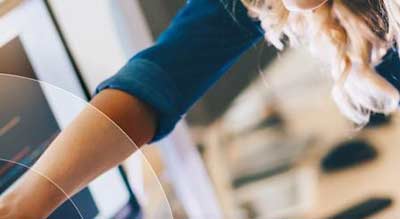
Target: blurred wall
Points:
(159, 13)
(93, 29)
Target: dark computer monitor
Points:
(30, 118)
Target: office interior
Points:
(266, 142)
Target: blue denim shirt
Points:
(204, 39)
(202, 42)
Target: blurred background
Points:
(266, 142)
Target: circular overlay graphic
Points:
(46, 134)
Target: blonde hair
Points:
(353, 35)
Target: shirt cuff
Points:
(148, 82)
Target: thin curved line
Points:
(109, 119)
(261, 71)
(69, 198)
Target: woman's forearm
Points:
(89, 146)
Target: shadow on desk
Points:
(380, 177)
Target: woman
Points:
(158, 85)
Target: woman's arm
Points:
(202, 42)
(89, 146)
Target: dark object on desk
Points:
(348, 154)
(364, 209)
(263, 174)
(377, 120)
(274, 120)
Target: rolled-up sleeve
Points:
(202, 42)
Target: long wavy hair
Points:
(352, 35)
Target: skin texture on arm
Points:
(89, 146)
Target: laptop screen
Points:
(27, 126)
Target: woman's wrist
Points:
(6, 208)
(11, 208)
(32, 197)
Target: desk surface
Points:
(308, 111)
(338, 191)
(380, 177)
